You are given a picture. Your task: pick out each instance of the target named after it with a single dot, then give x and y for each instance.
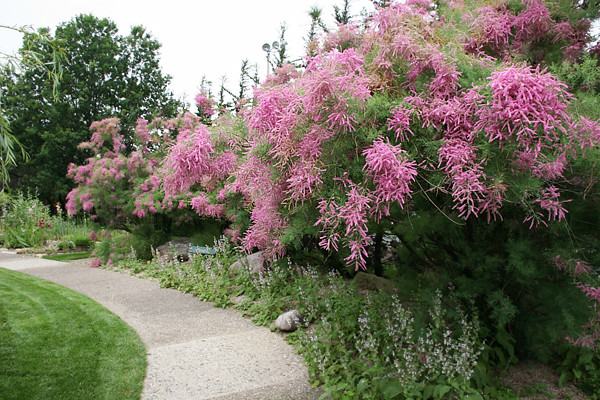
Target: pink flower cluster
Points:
(188, 161)
(528, 105)
(498, 32)
(353, 214)
(492, 29)
(205, 105)
(391, 172)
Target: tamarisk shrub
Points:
(482, 165)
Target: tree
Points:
(105, 74)
(316, 24)
(10, 147)
(342, 14)
(281, 56)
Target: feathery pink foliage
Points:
(344, 37)
(549, 201)
(282, 75)
(492, 202)
(391, 172)
(588, 133)
(528, 105)
(533, 23)
(354, 213)
(304, 178)
(468, 191)
(205, 105)
(492, 28)
(399, 123)
(202, 206)
(592, 292)
(188, 161)
(141, 130)
(329, 222)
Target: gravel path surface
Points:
(195, 350)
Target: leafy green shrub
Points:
(146, 236)
(113, 247)
(25, 221)
(66, 245)
(582, 366)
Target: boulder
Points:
(238, 299)
(371, 282)
(53, 245)
(289, 321)
(254, 263)
(174, 250)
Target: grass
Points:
(69, 256)
(58, 344)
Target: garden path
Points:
(195, 350)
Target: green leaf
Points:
(391, 389)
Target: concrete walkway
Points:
(195, 351)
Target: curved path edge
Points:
(195, 350)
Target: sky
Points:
(198, 37)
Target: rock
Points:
(53, 245)
(371, 282)
(238, 299)
(178, 249)
(289, 321)
(254, 263)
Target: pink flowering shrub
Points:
(421, 128)
(502, 33)
(329, 138)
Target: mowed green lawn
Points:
(58, 344)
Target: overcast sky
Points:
(198, 37)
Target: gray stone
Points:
(371, 282)
(175, 250)
(239, 299)
(254, 263)
(53, 245)
(289, 321)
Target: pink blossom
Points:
(588, 133)
(468, 191)
(282, 75)
(491, 29)
(455, 155)
(87, 206)
(344, 37)
(582, 268)
(141, 131)
(391, 171)
(399, 123)
(492, 202)
(304, 178)
(354, 214)
(205, 105)
(329, 221)
(533, 23)
(188, 161)
(549, 201)
(528, 105)
(592, 292)
(71, 204)
(551, 170)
